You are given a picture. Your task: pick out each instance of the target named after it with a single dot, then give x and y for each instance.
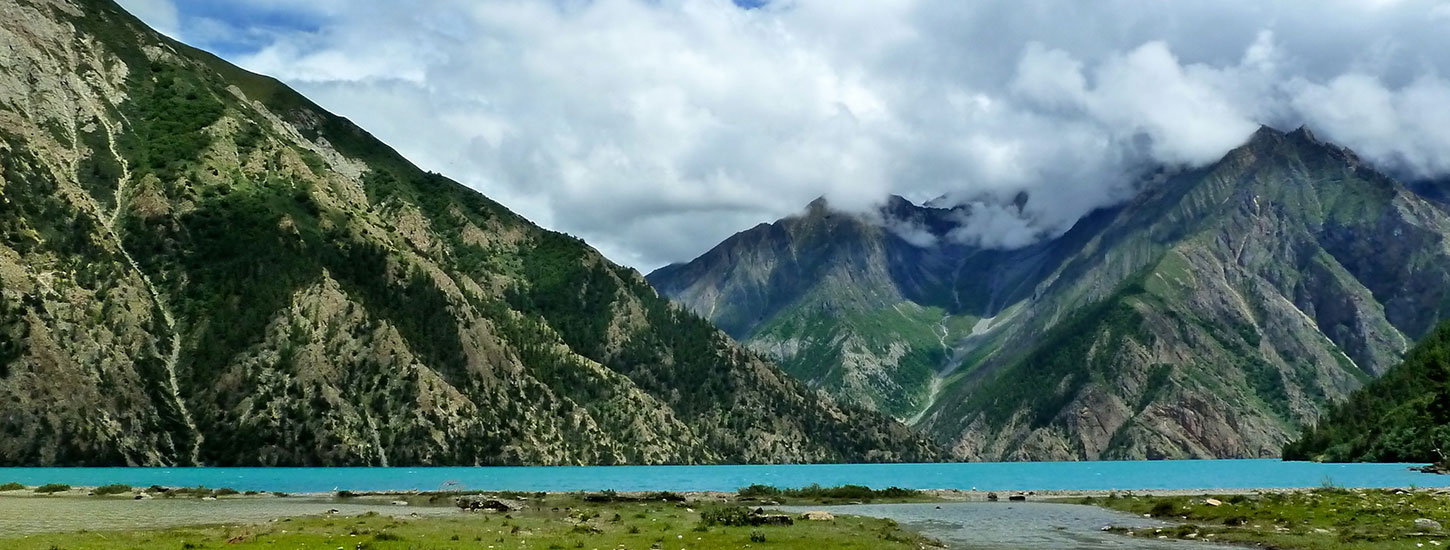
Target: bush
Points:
(226, 491)
(50, 488)
(734, 516)
(113, 489)
(759, 491)
(12, 486)
(1164, 509)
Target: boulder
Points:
(818, 515)
(1018, 498)
(992, 497)
(1429, 525)
(1213, 502)
(772, 519)
(492, 504)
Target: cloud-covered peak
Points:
(656, 128)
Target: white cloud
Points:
(161, 15)
(656, 128)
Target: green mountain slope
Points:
(1402, 417)
(200, 266)
(1210, 317)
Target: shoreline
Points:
(568, 518)
(924, 495)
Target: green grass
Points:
(1325, 519)
(558, 523)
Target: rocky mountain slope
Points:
(1212, 316)
(199, 266)
(1403, 416)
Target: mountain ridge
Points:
(201, 266)
(1345, 267)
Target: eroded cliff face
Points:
(1212, 316)
(199, 266)
(1248, 295)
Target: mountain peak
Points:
(818, 205)
(1266, 136)
(1304, 133)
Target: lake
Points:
(1013, 476)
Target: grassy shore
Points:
(575, 520)
(1324, 519)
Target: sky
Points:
(654, 129)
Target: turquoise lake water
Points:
(1023, 476)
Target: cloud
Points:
(161, 15)
(656, 128)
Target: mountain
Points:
(1403, 416)
(200, 266)
(1212, 316)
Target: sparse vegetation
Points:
(557, 521)
(831, 495)
(12, 486)
(113, 489)
(51, 488)
(1323, 519)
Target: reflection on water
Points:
(1019, 526)
(27, 514)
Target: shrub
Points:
(12, 486)
(225, 491)
(734, 516)
(757, 536)
(759, 491)
(1164, 509)
(386, 536)
(113, 489)
(50, 488)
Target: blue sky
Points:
(656, 128)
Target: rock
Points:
(992, 497)
(773, 519)
(1213, 502)
(1424, 524)
(399, 503)
(818, 516)
(208, 498)
(1437, 468)
(493, 504)
(1018, 498)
